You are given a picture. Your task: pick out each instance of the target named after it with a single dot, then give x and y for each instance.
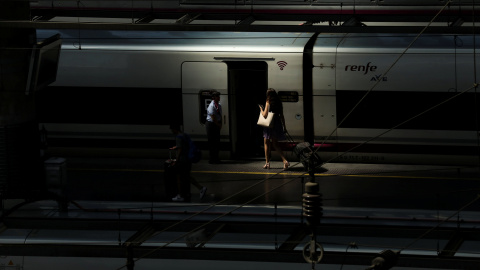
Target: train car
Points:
(377, 98)
(397, 98)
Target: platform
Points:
(342, 184)
(250, 217)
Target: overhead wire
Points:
(214, 219)
(375, 85)
(220, 216)
(475, 86)
(262, 181)
(259, 196)
(298, 163)
(440, 223)
(388, 70)
(271, 190)
(228, 212)
(406, 121)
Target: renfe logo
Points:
(361, 68)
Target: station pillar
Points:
(20, 164)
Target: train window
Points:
(288, 96)
(204, 98)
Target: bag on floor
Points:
(307, 156)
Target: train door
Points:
(247, 84)
(198, 78)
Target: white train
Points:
(377, 98)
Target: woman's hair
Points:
(274, 100)
(271, 94)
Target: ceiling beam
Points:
(240, 28)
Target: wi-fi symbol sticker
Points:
(281, 64)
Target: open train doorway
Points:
(247, 85)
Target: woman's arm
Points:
(265, 112)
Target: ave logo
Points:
(377, 78)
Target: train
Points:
(357, 97)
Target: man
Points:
(182, 166)
(213, 126)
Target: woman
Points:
(277, 132)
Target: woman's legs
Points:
(268, 144)
(280, 152)
(268, 151)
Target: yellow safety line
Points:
(285, 173)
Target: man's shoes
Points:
(178, 198)
(202, 192)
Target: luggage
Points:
(170, 180)
(307, 156)
(304, 152)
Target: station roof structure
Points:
(347, 16)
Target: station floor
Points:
(377, 205)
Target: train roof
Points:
(180, 40)
(195, 41)
(366, 42)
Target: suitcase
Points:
(307, 156)
(170, 181)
